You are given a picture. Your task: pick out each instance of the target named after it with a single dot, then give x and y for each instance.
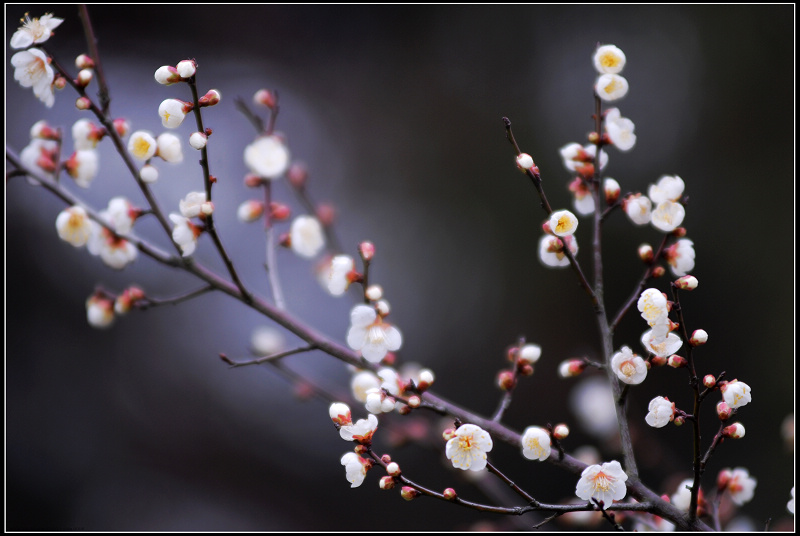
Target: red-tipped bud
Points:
(83, 103)
(709, 380)
(409, 493)
(571, 367)
(84, 62)
(646, 253)
(122, 126)
(298, 175)
(657, 271)
(84, 77)
(611, 189)
(524, 369)
(524, 162)
(60, 82)
(127, 300)
(560, 431)
(546, 227)
(326, 214)
(210, 99)
(724, 411)
(506, 380)
(449, 434)
(265, 97)
(386, 459)
(676, 361)
(285, 240)
(167, 75)
(340, 414)
(686, 282)
(723, 479)
(593, 138)
(699, 336)
(253, 181)
(414, 401)
(658, 361)
(425, 380)
(366, 250)
(279, 211)
(734, 431)
(386, 482)
(450, 494)
(679, 232)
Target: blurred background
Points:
(396, 110)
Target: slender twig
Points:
(640, 287)
(607, 516)
(147, 302)
(519, 491)
(91, 42)
(258, 124)
(272, 259)
(268, 358)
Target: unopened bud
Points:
(414, 401)
(524, 162)
(122, 126)
(679, 420)
(646, 253)
(83, 103)
(387, 459)
(561, 431)
(506, 380)
(285, 240)
(326, 214)
(676, 361)
(409, 493)
(611, 189)
(593, 138)
(425, 379)
(449, 434)
(84, 77)
(724, 411)
(571, 367)
(210, 99)
(734, 431)
(366, 250)
(724, 478)
(298, 175)
(361, 450)
(450, 494)
(60, 82)
(186, 68)
(167, 75)
(250, 211)
(253, 181)
(198, 140)
(42, 130)
(386, 482)
(340, 414)
(279, 211)
(530, 354)
(265, 97)
(657, 271)
(686, 282)
(698, 337)
(523, 369)
(709, 380)
(383, 308)
(149, 174)
(679, 232)
(84, 62)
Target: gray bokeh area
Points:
(397, 113)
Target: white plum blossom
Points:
(85, 134)
(40, 156)
(172, 113)
(82, 166)
(335, 277)
(186, 68)
(665, 348)
(583, 203)
(167, 75)
(148, 173)
(629, 367)
(339, 413)
(682, 498)
(114, 251)
(608, 59)
(168, 147)
(468, 447)
(74, 226)
(667, 216)
(668, 188)
(120, 214)
(592, 402)
(741, 485)
(194, 204)
(378, 401)
(267, 157)
(680, 257)
(655, 310)
(198, 140)
(362, 382)
(34, 30)
(660, 412)
(184, 233)
(307, 238)
(563, 223)
(736, 394)
(605, 483)
(611, 87)
(355, 468)
(370, 334)
(638, 208)
(790, 504)
(535, 443)
(32, 69)
(530, 353)
(620, 130)
(577, 157)
(142, 145)
(551, 250)
(524, 161)
(267, 340)
(99, 311)
(361, 431)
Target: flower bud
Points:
(679, 232)
(173, 112)
(99, 311)
(524, 162)
(186, 68)
(709, 380)
(60, 82)
(210, 99)
(699, 336)
(530, 354)
(386, 482)
(84, 62)
(571, 367)
(724, 411)
(253, 181)
(127, 300)
(409, 493)
(387, 459)
(646, 253)
(361, 450)
(265, 97)
(686, 282)
(149, 174)
(84, 77)
(611, 189)
(298, 175)
(383, 309)
(393, 469)
(83, 103)
(679, 420)
(561, 431)
(523, 369)
(723, 479)
(122, 126)
(734, 431)
(340, 414)
(506, 380)
(449, 434)
(450, 494)
(366, 250)
(279, 211)
(658, 361)
(676, 361)
(373, 292)
(167, 75)
(425, 379)
(414, 401)
(657, 271)
(198, 140)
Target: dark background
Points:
(397, 112)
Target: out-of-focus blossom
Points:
(74, 226)
(608, 59)
(307, 238)
(34, 30)
(32, 69)
(371, 335)
(267, 157)
(620, 130)
(667, 216)
(668, 188)
(611, 87)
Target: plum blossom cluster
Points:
(32, 66)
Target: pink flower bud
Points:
(506, 380)
(326, 214)
(83, 103)
(561, 431)
(646, 253)
(414, 401)
(709, 380)
(724, 411)
(734, 431)
(210, 99)
(724, 478)
(60, 82)
(340, 414)
(450, 494)
(524, 369)
(449, 434)
(657, 271)
(84, 77)
(84, 62)
(679, 421)
(253, 181)
(298, 175)
(658, 361)
(676, 361)
(393, 469)
(279, 211)
(265, 97)
(409, 493)
(698, 337)
(679, 232)
(524, 162)
(366, 250)
(571, 367)
(611, 189)
(122, 126)
(686, 282)
(386, 482)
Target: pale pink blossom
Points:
(629, 367)
(680, 256)
(741, 486)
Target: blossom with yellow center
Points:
(606, 483)
(467, 449)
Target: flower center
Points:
(602, 482)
